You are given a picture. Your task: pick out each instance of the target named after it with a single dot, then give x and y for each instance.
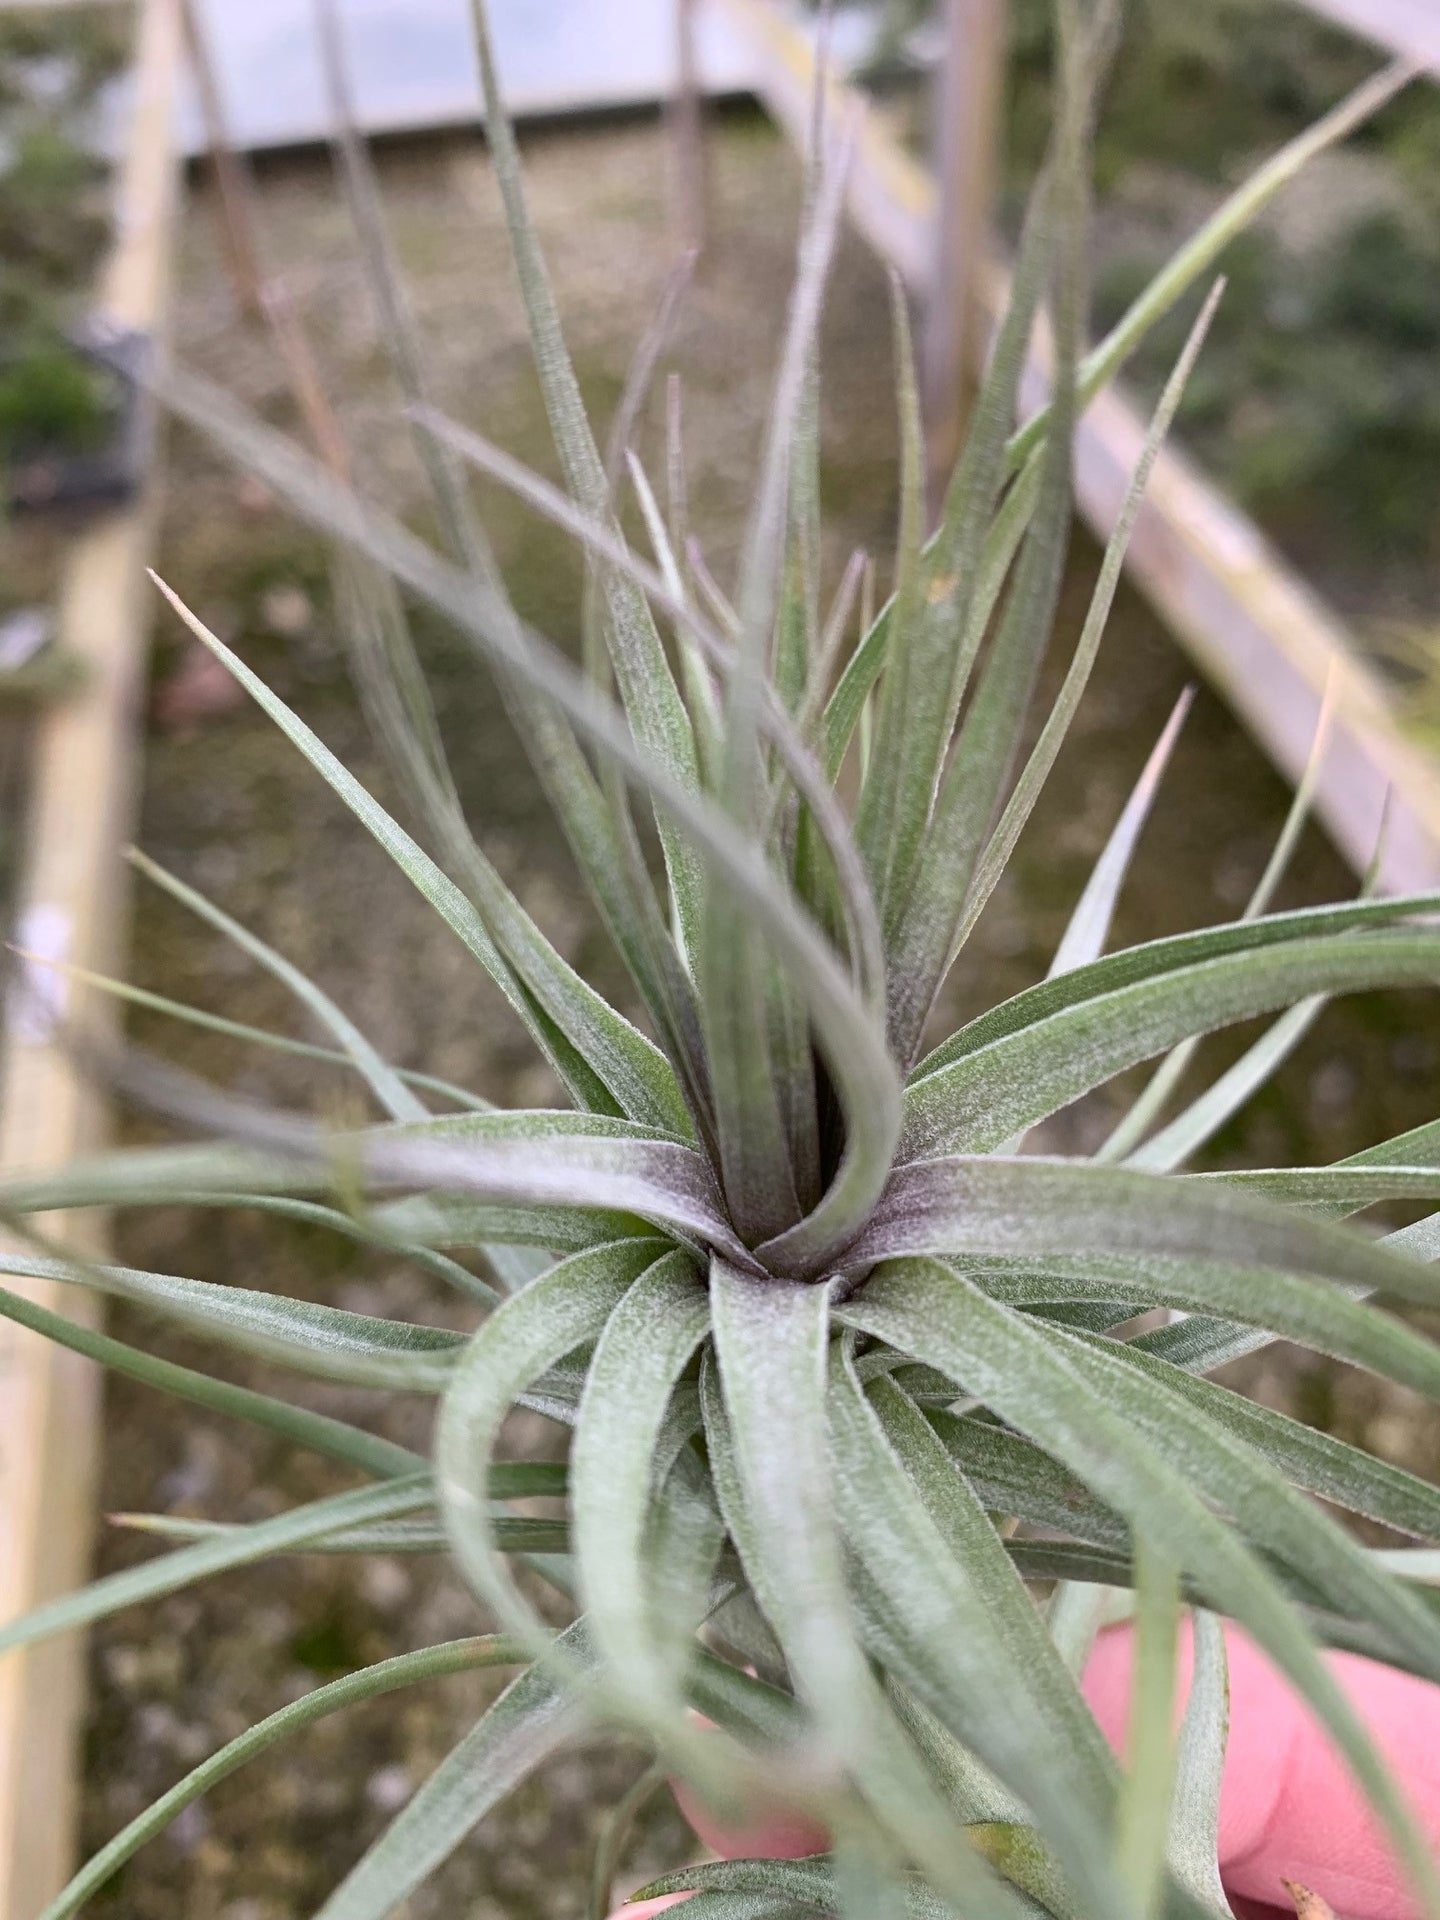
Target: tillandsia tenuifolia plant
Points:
(862, 1448)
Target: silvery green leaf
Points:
(387, 1086)
(1088, 927)
(766, 1439)
(1044, 753)
(646, 1342)
(154, 1578)
(499, 933)
(1048, 1212)
(847, 1033)
(1027, 1072)
(1266, 1304)
(255, 1036)
(1173, 1144)
(1154, 959)
(1010, 1363)
(527, 1723)
(1142, 1816)
(317, 1432)
(1194, 1847)
(1154, 1097)
(651, 698)
(971, 787)
(369, 1683)
(325, 1343)
(1198, 257)
(565, 1307)
(951, 1596)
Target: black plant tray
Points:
(53, 480)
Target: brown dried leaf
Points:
(1308, 1904)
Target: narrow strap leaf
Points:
(1174, 1144)
(742, 998)
(772, 1473)
(1201, 1344)
(1324, 1465)
(527, 1723)
(543, 1186)
(182, 1568)
(848, 1036)
(1230, 1472)
(582, 808)
(1088, 927)
(1010, 1364)
(1046, 750)
(1153, 1098)
(386, 1676)
(560, 1311)
(516, 1533)
(642, 671)
(969, 1626)
(1191, 264)
(1143, 1814)
(503, 938)
(325, 1343)
(985, 1096)
(317, 1432)
(646, 1342)
(1155, 958)
(973, 785)
(929, 641)
(251, 1035)
(1327, 1319)
(1036, 1209)
(1194, 1849)
(388, 1087)
(1013, 1476)
(1198, 257)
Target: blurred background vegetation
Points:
(55, 64)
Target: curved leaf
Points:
(172, 1571)
(314, 1431)
(646, 1342)
(987, 1093)
(387, 1676)
(527, 1723)
(326, 1343)
(555, 1314)
(1010, 1363)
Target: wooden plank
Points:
(967, 111)
(1255, 629)
(82, 806)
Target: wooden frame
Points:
(83, 797)
(1254, 628)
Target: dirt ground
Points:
(232, 809)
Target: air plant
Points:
(864, 1440)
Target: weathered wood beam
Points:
(83, 797)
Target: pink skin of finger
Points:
(1289, 1809)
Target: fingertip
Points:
(771, 1835)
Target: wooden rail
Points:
(83, 796)
(1259, 634)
